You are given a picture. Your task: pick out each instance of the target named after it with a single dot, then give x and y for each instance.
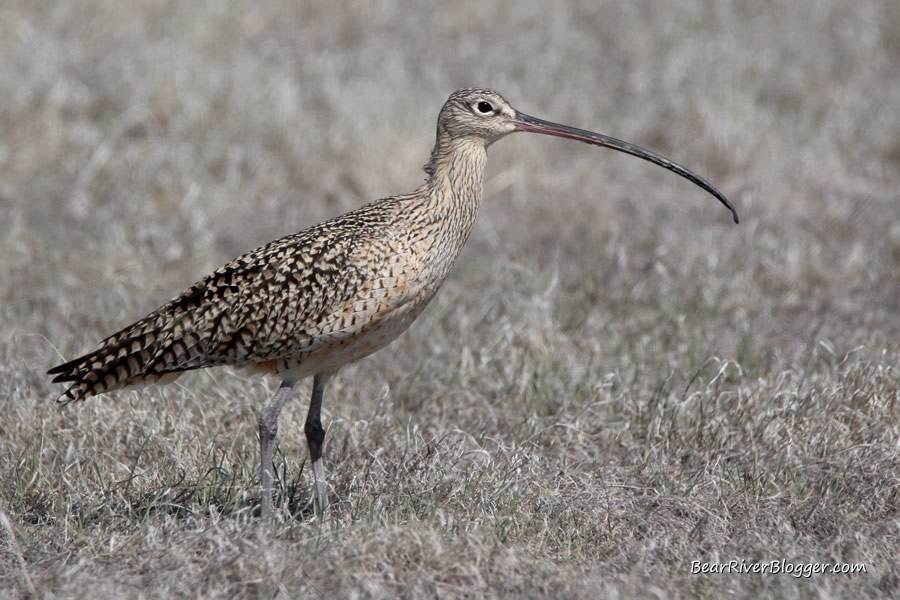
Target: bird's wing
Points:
(268, 304)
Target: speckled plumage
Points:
(308, 303)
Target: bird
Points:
(310, 302)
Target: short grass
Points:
(614, 383)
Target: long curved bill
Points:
(525, 122)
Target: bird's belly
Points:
(376, 334)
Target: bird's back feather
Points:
(271, 304)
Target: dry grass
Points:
(614, 382)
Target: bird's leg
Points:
(315, 436)
(268, 428)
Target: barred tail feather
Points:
(118, 364)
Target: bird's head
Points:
(485, 116)
(479, 113)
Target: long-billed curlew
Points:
(311, 302)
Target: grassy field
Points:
(615, 385)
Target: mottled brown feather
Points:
(310, 301)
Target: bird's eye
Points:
(485, 107)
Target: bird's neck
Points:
(456, 174)
(444, 209)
